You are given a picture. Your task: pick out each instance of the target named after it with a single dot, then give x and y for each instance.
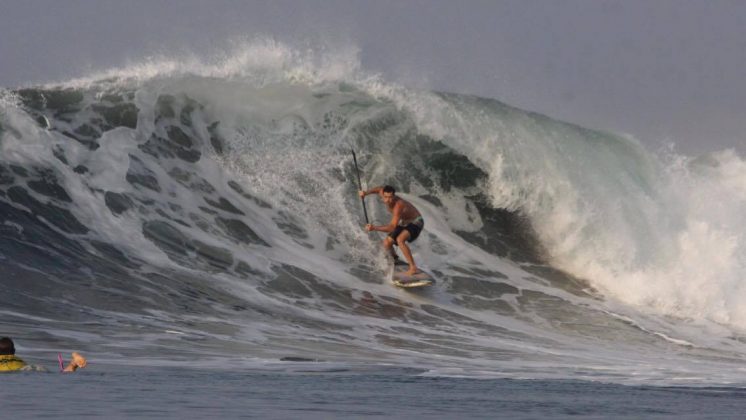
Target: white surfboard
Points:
(400, 279)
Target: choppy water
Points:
(180, 211)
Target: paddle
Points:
(360, 186)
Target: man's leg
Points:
(388, 246)
(401, 240)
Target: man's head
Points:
(6, 346)
(388, 194)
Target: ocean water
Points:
(185, 212)
(318, 392)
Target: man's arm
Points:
(376, 190)
(394, 221)
(76, 362)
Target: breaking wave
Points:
(180, 209)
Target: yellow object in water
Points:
(10, 362)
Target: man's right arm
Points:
(376, 190)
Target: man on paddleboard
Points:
(405, 226)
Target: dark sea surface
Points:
(115, 392)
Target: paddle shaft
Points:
(360, 187)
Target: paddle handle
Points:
(360, 186)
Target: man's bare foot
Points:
(412, 271)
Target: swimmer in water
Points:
(9, 362)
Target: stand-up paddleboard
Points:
(400, 279)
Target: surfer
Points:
(405, 226)
(10, 362)
(8, 359)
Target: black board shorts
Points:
(413, 228)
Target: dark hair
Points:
(389, 189)
(6, 346)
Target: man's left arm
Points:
(392, 225)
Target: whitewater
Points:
(188, 210)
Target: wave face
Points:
(180, 210)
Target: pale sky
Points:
(662, 71)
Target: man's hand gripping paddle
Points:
(360, 187)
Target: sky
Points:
(663, 71)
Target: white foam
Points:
(663, 234)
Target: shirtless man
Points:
(405, 226)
